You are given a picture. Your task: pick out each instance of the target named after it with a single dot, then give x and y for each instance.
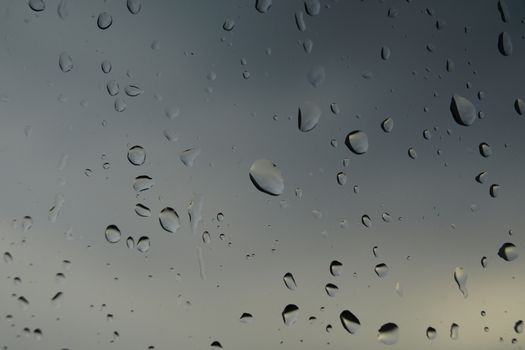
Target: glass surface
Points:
(245, 174)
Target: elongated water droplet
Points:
(27, 223)
(263, 6)
(65, 62)
(136, 155)
(387, 125)
(104, 20)
(134, 6)
(385, 53)
(188, 156)
(267, 177)
(388, 333)
(195, 211)
(398, 289)
(460, 276)
(505, 44)
(431, 333)
(142, 210)
(412, 153)
(309, 116)
(494, 190)
(357, 142)
(350, 321)
(113, 234)
(55, 210)
(484, 262)
(130, 242)
(519, 106)
(143, 244)
(112, 87)
(341, 178)
(23, 302)
(169, 220)
(508, 252)
(37, 5)
(381, 270)
(485, 150)
(133, 90)
(518, 327)
(289, 281)
(331, 289)
(299, 21)
(290, 314)
(454, 331)
(8, 258)
(336, 268)
(365, 220)
(143, 183)
(463, 110)
(56, 300)
(504, 10)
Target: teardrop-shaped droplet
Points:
(263, 6)
(143, 183)
(431, 333)
(206, 238)
(388, 333)
(143, 244)
(137, 155)
(188, 156)
(267, 177)
(336, 268)
(460, 276)
(350, 321)
(169, 220)
(312, 7)
(454, 331)
(134, 6)
(387, 125)
(504, 10)
(463, 110)
(289, 281)
(113, 234)
(331, 289)
(316, 76)
(519, 106)
(104, 20)
(381, 270)
(65, 62)
(37, 5)
(357, 142)
(508, 252)
(130, 242)
(485, 150)
(290, 314)
(385, 53)
(309, 116)
(505, 44)
(412, 153)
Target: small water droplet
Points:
(188, 156)
(519, 106)
(387, 125)
(460, 276)
(365, 220)
(431, 333)
(484, 262)
(388, 333)
(357, 142)
(505, 44)
(113, 234)
(136, 155)
(350, 321)
(133, 90)
(341, 178)
(120, 105)
(331, 289)
(289, 281)
(105, 66)
(316, 76)
(485, 150)
(454, 331)
(246, 317)
(65, 62)
(290, 314)
(169, 220)
(143, 183)
(143, 244)
(381, 270)
(494, 190)
(336, 268)
(385, 53)
(37, 5)
(412, 153)
(263, 6)
(267, 177)
(134, 6)
(312, 7)
(309, 116)
(104, 20)
(130, 242)
(228, 24)
(8, 258)
(518, 327)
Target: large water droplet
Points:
(505, 44)
(290, 314)
(336, 268)
(267, 177)
(65, 62)
(104, 20)
(388, 333)
(508, 252)
(460, 276)
(385, 53)
(143, 183)
(331, 289)
(113, 234)
(169, 220)
(357, 142)
(134, 6)
(133, 90)
(350, 321)
(136, 155)
(37, 5)
(312, 7)
(263, 6)
(289, 281)
(463, 110)
(309, 115)
(143, 244)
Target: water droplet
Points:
(336, 268)
(113, 234)
(143, 244)
(494, 190)
(37, 5)
(56, 208)
(290, 314)
(188, 156)
(341, 178)
(289, 281)
(65, 62)
(112, 87)
(398, 289)
(518, 327)
(23, 302)
(263, 6)
(460, 276)
(143, 183)
(133, 90)
(485, 150)
(312, 7)
(331, 289)
(505, 44)
(216, 345)
(454, 331)
(267, 177)
(463, 110)
(386, 217)
(365, 220)
(519, 106)
(350, 321)
(357, 142)
(130, 242)
(308, 45)
(431, 333)
(316, 76)
(508, 252)
(105, 66)
(309, 115)
(504, 10)
(481, 177)
(169, 220)
(412, 153)
(381, 270)
(8, 258)
(120, 105)
(195, 211)
(246, 317)
(228, 24)
(387, 125)
(104, 20)
(27, 223)
(136, 155)
(134, 6)
(388, 333)
(385, 53)
(56, 300)
(484, 262)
